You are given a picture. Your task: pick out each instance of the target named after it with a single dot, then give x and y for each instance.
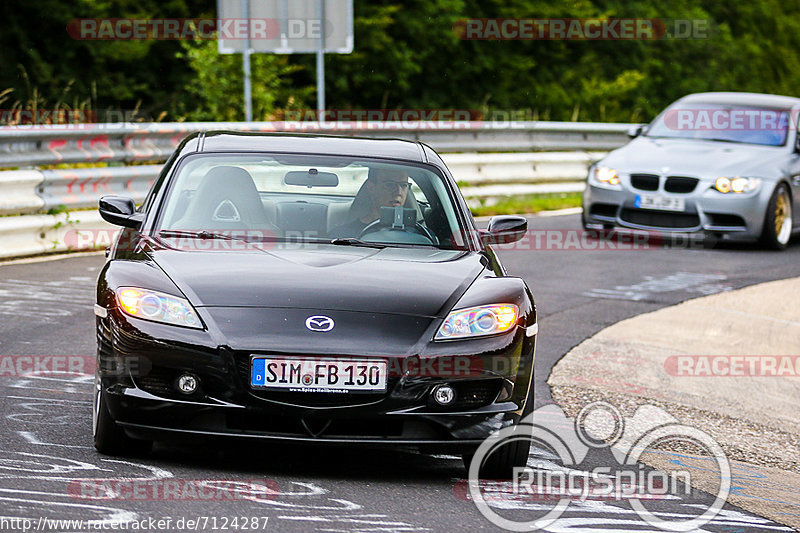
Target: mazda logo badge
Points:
(319, 323)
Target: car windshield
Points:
(311, 198)
(727, 123)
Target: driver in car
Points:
(385, 188)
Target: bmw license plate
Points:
(318, 375)
(663, 203)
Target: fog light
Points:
(444, 394)
(187, 383)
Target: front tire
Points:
(501, 463)
(778, 219)
(514, 454)
(109, 438)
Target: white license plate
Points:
(663, 203)
(318, 375)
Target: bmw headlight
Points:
(478, 321)
(605, 177)
(158, 307)
(737, 185)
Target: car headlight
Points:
(158, 307)
(605, 177)
(478, 321)
(737, 185)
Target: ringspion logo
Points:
(545, 489)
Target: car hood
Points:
(703, 159)
(417, 282)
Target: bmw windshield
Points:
(726, 123)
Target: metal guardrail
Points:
(480, 176)
(23, 146)
(82, 187)
(526, 164)
(39, 234)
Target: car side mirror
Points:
(635, 131)
(120, 211)
(797, 142)
(505, 229)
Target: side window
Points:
(419, 194)
(157, 184)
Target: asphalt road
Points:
(45, 446)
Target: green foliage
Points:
(216, 93)
(527, 204)
(408, 55)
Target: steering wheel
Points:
(417, 229)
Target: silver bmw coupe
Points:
(726, 165)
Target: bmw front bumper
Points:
(706, 211)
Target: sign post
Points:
(248, 91)
(321, 64)
(286, 27)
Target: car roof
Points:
(771, 101)
(233, 141)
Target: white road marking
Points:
(112, 514)
(46, 299)
(32, 439)
(650, 286)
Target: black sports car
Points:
(310, 288)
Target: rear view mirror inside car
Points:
(311, 178)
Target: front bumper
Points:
(140, 361)
(149, 417)
(733, 217)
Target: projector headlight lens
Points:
(736, 185)
(478, 321)
(605, 176)
(158, 307)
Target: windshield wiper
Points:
(200, 235)
(356, 242)
(721, 140)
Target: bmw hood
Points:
(702, 159)
(402, 281)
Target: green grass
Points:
(514, 205)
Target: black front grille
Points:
(680, 184)
(645, 182)
(660, 219)
(320, 399)
(724, 219)
(603, 210)
(354, 427)
(158, 381)
(317, 426)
